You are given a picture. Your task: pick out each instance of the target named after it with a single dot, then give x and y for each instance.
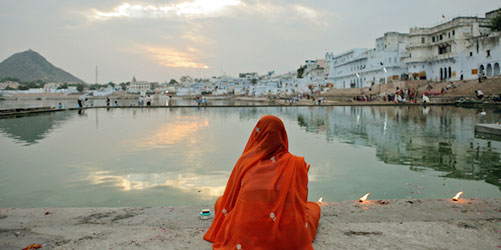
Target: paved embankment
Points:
(391, 224)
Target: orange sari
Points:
(264, 205)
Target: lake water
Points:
(183, 156)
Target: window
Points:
(441, 37)
(433, 39)
(423, 40)
(471, 53)
(449, 35)
(444, 50)
(488, 53)
(453, 32)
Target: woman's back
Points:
(265, 202)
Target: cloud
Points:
(193, 9)
(309, 13)
(207, 8)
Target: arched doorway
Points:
(441, 74)
(496, 69)
(489, 70)
(450, 72)
(481, 69)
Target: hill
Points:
(31, 66)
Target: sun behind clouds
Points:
(170, 57)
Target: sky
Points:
(158, 40)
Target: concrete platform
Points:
(493, 129)
(392, 224)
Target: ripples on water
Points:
(156, 157)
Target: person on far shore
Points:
(205, 101)
(479, 94)
(426, 99)
(264, 205)
(199, 101)
(59, 106)
(81, 101)
(107, 101)
(116, 104)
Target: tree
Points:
(254, 81)
(173, 82)
(496, 23)
(80, 87)
(185, 79)
(124, 85)
(112, 84)
(63, 86)
(300, 71)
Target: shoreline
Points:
(19, 112)
(389, 224)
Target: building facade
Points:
(138, 86)
(358, 68)
(462, 48)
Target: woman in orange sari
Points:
(264, 205)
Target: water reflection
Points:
(190, 183)
(174, 156)
(174, 132)
(30, 130)
(440, 138)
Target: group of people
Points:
(408, 95)
(142, 100)
(81, 102)
(296, 99)
(201, 100)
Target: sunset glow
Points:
(169, 57)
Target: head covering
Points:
(263, 206)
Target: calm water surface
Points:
(183, 156)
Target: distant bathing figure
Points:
(107, 101)
(116, 104)
(59, 106)
(81, 101)
(264, 205)
(479, 94)
(426, 99)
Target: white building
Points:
(358, 68)
(138, 86)
(463, 46)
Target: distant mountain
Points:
(31, 66)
